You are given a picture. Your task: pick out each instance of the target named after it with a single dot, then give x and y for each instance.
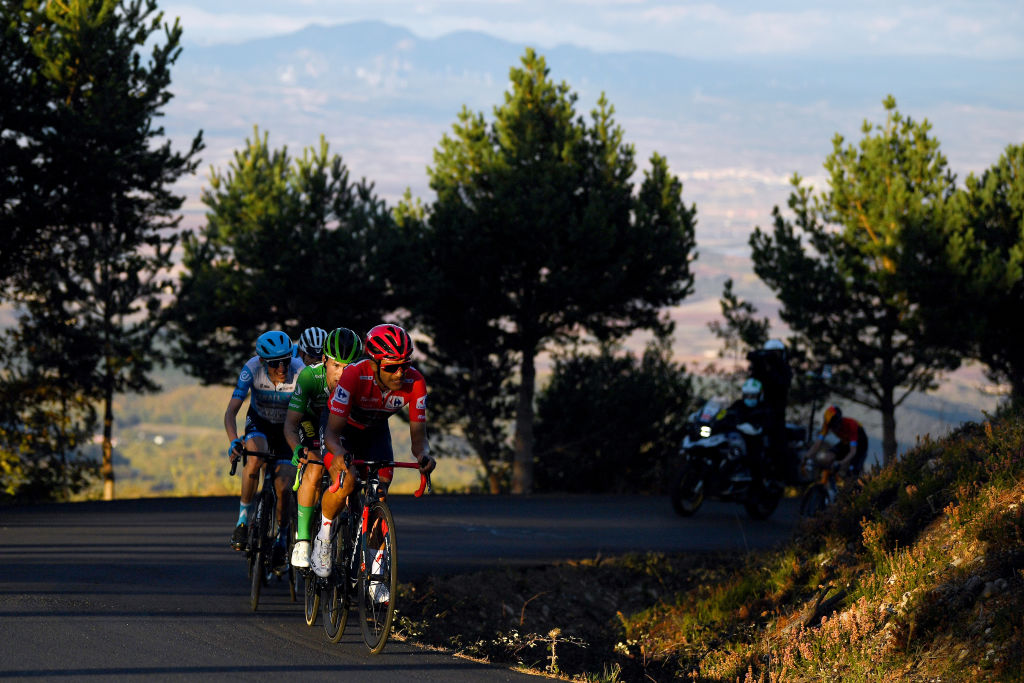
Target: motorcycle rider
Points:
(752, 416)
(770, 366)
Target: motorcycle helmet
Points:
(832, 414)
(751, 392)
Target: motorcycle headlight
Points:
(705, 431)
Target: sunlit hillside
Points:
(916, 573)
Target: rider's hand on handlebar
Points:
(235, 450)
(427, 464)
(299, 455)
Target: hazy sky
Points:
(735, 28)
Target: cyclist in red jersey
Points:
(852, 448)
(368, 393)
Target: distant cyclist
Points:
(311, 342)
(368, 393)
(306, 419)
(268, 378)
(852, 448)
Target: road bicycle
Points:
(259, 547)
(823, 492)
(365, 566)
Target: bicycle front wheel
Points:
(378, 577)
(336, 596)
(260, 550)
(814, 501)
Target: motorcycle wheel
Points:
(813, 501)
(763, 500)
(687, 491)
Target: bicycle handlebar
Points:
(381, 464)
(263, 455)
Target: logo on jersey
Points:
(394, 403)
(341, 395)
(246, 376)
(421, 403)
(298, 390)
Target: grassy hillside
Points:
(917, 573)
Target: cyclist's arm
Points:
(332, 438)
(420, 447)
(292, 419)
(231, 416)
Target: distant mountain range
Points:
(384, 96)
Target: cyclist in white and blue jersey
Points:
(268, 378)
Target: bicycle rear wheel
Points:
(378, 577)
(312, 596)
(335, 599)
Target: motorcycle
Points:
(714, 453)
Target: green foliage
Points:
(536, 236)
(287, 242)
(741, 331)
(869, 241)
(983, 273)
(93, 180)
(610, 422)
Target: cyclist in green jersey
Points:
(305, 420)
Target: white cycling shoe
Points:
(321, 558)
(300, 554)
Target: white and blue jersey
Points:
(269, 401)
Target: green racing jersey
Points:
(311, 395)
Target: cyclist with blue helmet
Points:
(268, 378)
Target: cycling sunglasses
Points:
(394, 367)
(278, 363)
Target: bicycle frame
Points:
(259, 549)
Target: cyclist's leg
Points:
(309, 488)
(322, 556)
(251, 440)
(378, 449)
(857, 466)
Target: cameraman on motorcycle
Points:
(752, 417)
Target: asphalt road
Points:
(149, 589)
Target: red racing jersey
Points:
(848, 430)
(359, 399)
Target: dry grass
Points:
(915, 574)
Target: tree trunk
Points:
(522, 465)
(107, 468)
(888, 427)
(483, 453)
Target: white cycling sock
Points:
(243, 512)
(325, 529)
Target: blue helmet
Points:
(274, 344)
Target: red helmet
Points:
(388, 344)
(832, 414)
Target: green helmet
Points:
(343, 346)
